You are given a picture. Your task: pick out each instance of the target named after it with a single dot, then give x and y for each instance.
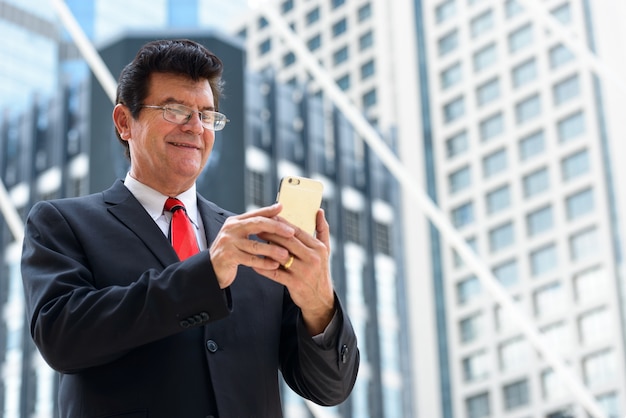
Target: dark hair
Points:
(175, 56)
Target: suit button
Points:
(211, 346)
(205, 316)
(185, 324)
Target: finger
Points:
(322, 229)
(264, 249)
(266, 211)
(243, 226)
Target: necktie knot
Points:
(182, 235)
(172, 204)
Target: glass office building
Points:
(508, 119)
(53, 147)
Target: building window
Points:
(579, 204)
(524, 73)
(451, 76)
(454, 109)
(471, 327)
(609, 403)
(364, 12)
(340, 56)
(478, 406)
(352, 226)
(498, 199)
(491, 127)
(314, 43)
(485, 57)
(445, 10)
(536, 182)
(460, 179)
(600, 368)
(575, 165)
(313, 16)
(590, 285)
(552, 388)
(286, 6)
(494, 163)
(563, 14)
(513, 8)
(468, 289)
(548, 300)
(262, 23)
(463, 215)
(336, 3)
(458, 261)
(448, 42)
(566, 90)
(340, 27)
(521, 38)
(481, 23)
(501, 237)
(488, 92)
(584, 244)
(366, 40)
(539, 221)
(594, 326)
(289, 59)
(369, 99)
(543, 260)
(571, 127)
(558, 335)
(560, 55)
(256, 184)
(382, 238)
(506, 273)
(476, 366)
(344, 82)
(528, 109)
(514, 354)
(457, 144)
(367, 70)
(531, 145)
(265, 47)
(516, 394)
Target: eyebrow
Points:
(171, 100)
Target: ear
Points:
(122, 119)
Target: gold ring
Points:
(289, 262)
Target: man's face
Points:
(166, 156)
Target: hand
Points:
(308, 277)
(233, 247)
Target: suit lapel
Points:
(127, 209)
(213, 218)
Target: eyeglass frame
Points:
(218, 117)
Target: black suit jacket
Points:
(136, 333)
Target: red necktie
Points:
(182, 235)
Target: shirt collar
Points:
(153, 201)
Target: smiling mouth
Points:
(181, 145)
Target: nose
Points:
(194, 124)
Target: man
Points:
(136, 332)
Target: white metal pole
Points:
(87, 50)
(395, 166)
(11, 215)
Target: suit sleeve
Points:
(79, 321)
(326, 373)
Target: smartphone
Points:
(301, 198)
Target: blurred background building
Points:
(505, 112)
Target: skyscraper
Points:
(286, 129)
(514, 133)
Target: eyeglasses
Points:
(181, 114)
